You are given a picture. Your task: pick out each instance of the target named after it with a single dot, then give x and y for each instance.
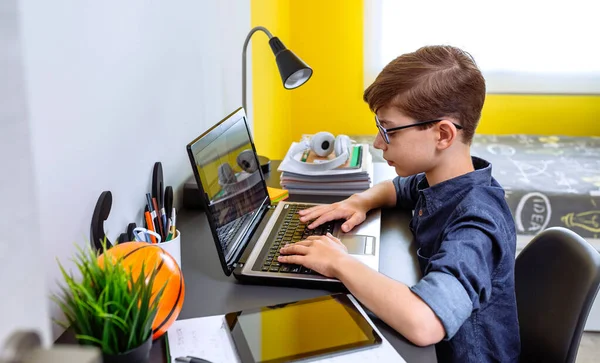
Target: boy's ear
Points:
(446, 133)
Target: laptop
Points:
(247, 230)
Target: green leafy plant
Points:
(109, 307)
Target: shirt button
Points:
(420, 212)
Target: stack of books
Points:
(355, 176)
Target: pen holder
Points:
(173, 247)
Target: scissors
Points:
(158, 189)
(142, 234)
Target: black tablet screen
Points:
(303, 329)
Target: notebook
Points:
(247, 230)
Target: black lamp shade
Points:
(294, 72)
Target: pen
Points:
(149, 226)
(149, 202)
(173, 222)
(305, 155)
(158, 218)
(190, 359)
(163, 214)
(168, 230)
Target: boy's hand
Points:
(318, 253)
(353, 210)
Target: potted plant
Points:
(109, 307)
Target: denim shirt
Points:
(466, 242)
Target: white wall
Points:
(23, 298)
(114, 86)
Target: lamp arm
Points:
(254, 30)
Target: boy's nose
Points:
(379, 143)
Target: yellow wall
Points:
(272, 103)
(328, 35)
(541, 114)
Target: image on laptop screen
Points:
(233, 184)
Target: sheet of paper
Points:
(208, 338)
(204, 337)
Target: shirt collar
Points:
(440, 193)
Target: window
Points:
(521, 46)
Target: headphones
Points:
(323, 144)
(245, 160)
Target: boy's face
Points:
(411, 150)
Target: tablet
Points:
(301, 330)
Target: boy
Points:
(427, 105)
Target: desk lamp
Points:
(293, 71)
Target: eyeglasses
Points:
(384, 132)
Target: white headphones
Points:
(245, 160)
(322, 144)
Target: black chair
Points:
(556, 279)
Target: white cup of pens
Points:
(161, 219)
(173, 247)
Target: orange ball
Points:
(171, 302)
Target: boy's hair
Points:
(430, 83)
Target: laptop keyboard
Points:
(292, 231)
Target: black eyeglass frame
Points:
(384, 132)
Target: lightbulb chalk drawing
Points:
(589, 221)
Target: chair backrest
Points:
(556, 280)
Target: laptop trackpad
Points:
(359, 244)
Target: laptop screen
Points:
(228, 173)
